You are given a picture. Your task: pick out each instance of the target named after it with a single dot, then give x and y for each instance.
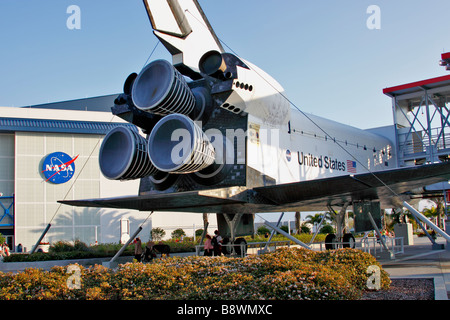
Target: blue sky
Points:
(322, 52)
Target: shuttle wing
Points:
(312, 195)
(189, 201)
(382, 186)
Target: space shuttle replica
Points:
(218, 135)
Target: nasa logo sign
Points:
(288, 155)
(58, 167)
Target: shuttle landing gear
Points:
(341, 239)
(232, 226)
(348, 241)
(332, 242)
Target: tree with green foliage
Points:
(198, 232)
(178, 233)
(317, 218)
(285, 229)
(305, 229)
(157, 234)
(434, 213)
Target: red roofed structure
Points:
(422, 118)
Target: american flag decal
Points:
(351, 166)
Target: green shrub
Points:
(66, 246)
(262, 230)
(328, 228)
(61, 246)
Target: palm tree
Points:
(317, 218)
(439, 210)
(431, 213)
(297, 222)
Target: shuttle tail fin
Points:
(183, 28)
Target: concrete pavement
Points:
(421, 261)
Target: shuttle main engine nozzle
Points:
(161, 89)
(123, 155)
(178, 145)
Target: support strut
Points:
(287, 235)
(266, 247)
(424, 219)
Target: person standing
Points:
(138, 249)
(208, 246)
(217, 243)
(6, 250)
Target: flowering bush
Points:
(285, 274)
(354, 263)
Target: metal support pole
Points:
(40, 238)
(126, 244)
(318, 228)
(394, 110)
(379, 235)
(445, 210)
(429, 133)
(287, 235)
(424, 230)
(232, 224)
(272, 233)
(205, 230)
(426, 221)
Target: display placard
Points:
(362, 220)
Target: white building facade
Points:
(28, 197)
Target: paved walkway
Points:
(421, 261)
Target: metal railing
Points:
(246, 248)
(373, 245)
(258, 247)
(320, 246)
(370, 245)
(419, 141)
(230, 249)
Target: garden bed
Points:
(286, 274)
(404, 289)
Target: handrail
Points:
(245, 246)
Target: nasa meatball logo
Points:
(288, 155)
(58, 167)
